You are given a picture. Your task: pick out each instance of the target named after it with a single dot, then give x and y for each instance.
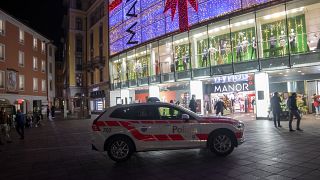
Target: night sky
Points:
(44, 16)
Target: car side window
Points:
(168, 112)
(123, 113)
(145, 113)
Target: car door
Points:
(146, 129)
(181, 132)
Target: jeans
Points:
(276, 117)
(297, 115)
(317, 108)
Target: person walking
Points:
(4, 126)
(293, 108)
(53, 111)
(219, 106)
(193, 104)
(276, 108)
(20, 124)
(316, 103)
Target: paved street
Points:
(61, 150)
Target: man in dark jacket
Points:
(20, 124)
(276, 108)
(219, 106)
(293, 108)
(193, 104)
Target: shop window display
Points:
(199, 48)
(142, 62)
(153, 55)
(181, 52)
(132, 66)
(166, 56)
(243, 36)
(220, 44)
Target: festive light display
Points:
(152, 18)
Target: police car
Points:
(124, 129)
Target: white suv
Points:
(124, 129)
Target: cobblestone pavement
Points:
(60, 149)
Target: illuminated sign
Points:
(232, 83)
(133, 22)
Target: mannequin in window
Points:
(254, 47)
(139, 69)
(186, 61)
(176, 62)
(283, 42)
(205, 57)
(292, 40)
(245, 44)
(239, 50)
(273, 45)
(213, 51)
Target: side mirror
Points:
(185, 117)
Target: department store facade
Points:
(243, 50)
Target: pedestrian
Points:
(53, 111)
(294, 111)
(4, 126)
(316, 103)
(48, 111)
(276, 109)
(193, 104)
(20, 124)
(219, 106)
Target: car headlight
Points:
(239, 125)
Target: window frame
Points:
(4, 79)
(35, 63)
(43, 85)
(35, 43)
(23, 59)
(3, 51)
(3, 30)
(23, 88)
(43, 66)
(21, 36)
(37, 84)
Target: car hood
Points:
(218, 120)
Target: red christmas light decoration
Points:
(183, 11)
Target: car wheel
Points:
(120, 149)
(221, 143)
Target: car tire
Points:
(120, 148)
(221, 143)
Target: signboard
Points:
(133, 22)
(233, 83)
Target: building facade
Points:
(23, 65)
(240, 52)
(51, 59)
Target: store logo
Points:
(132, 13)
(234, 87)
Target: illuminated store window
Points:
(181, 51)
(115, 69)
(220, 43)
(273, 40)
(122, 65)
(166, 55)
(199, 48)
(21, 82)
(244, 38)
(142, 62)
(153, 55)
(133, 68)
